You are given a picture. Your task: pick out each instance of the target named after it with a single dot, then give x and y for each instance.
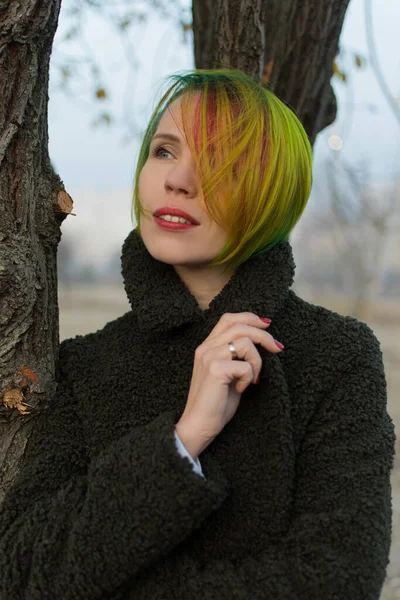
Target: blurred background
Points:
(107, 66)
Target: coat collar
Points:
(160, 300)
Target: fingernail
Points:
(268, 321)
(281, 346)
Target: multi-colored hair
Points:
(252, 155)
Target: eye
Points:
(155, 152)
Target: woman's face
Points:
(169, 179)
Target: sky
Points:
(97, 164)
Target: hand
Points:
(218, 381)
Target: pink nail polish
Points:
(268, 321)
(281, 346)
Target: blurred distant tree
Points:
(65, 256)
(289, 45)
(365, 220)
(70, 266)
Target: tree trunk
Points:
(30, 217)
(289, 45)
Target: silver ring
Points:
(233, 350)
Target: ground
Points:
(84, 309)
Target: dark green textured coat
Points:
(296, 500)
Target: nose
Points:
(182, 179)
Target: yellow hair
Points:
(252, 155)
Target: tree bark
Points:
(31, 210)
(287, 45)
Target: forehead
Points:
(172, 117)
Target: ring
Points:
(233, 350)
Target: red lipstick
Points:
(174, 212)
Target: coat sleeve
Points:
(338, 543)
(79, 530)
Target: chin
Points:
(174, 256)
(160, 251)
(175, 259)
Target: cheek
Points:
(145, 183)
(140, 182)
(147, 169)
(217, 235)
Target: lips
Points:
(175, 212)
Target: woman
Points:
(223, 439)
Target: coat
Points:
(295, 502)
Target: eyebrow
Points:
(168, 136)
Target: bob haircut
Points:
(252, 156)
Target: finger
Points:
(245, 349)
(257, 336)
(229, 319)
(227, 371)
